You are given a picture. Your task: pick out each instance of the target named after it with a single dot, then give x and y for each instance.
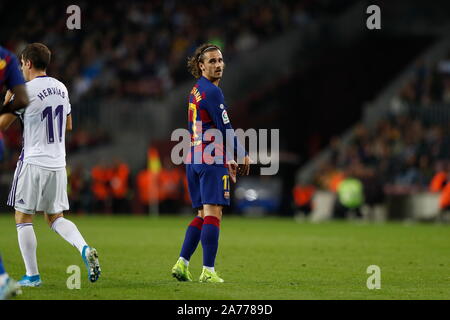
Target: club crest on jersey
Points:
(2, 64)
(225, 117)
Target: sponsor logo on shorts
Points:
(226, 194)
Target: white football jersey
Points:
(44, 123)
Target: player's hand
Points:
(244, 169)
(8, 97)
(232, 169)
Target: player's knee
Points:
(50, 218)
(21, 217)
(213, 210)
(216, 215)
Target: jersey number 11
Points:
(47, 114)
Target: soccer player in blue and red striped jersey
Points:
(11, 77)
(209, 165)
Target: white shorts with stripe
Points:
(37, 189)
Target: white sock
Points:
(69, 231)
(28, 245)
(209, 268)
(186, 262)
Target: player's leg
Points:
(215, 185)
(8, 287)
(23, 198)
(27, 244)
(210, 242)
(192, 236)
(69, 232)
(53, 202)
(66, 229)
(191, 240)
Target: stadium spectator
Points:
(440, 184)
(101, 176)
(118, 184)
(350, 199)
(170, 187)
(303, 195)
(147, 194)
(439, 180)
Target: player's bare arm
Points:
(7, 119)
(20, 99)
(8, 97)
(69, 123)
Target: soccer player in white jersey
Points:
(40, 179)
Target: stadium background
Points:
(349, 102)
(308, 68)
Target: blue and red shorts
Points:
(208, 184)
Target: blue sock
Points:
(2, 269)
(192, 238)
(210, 240)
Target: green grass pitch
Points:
(270, 258)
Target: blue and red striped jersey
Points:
(207, 110)
(10, 74)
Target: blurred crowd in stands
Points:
(111, 187)
(140, 48)
(407, 151)
(136, 49)
(429, 84)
